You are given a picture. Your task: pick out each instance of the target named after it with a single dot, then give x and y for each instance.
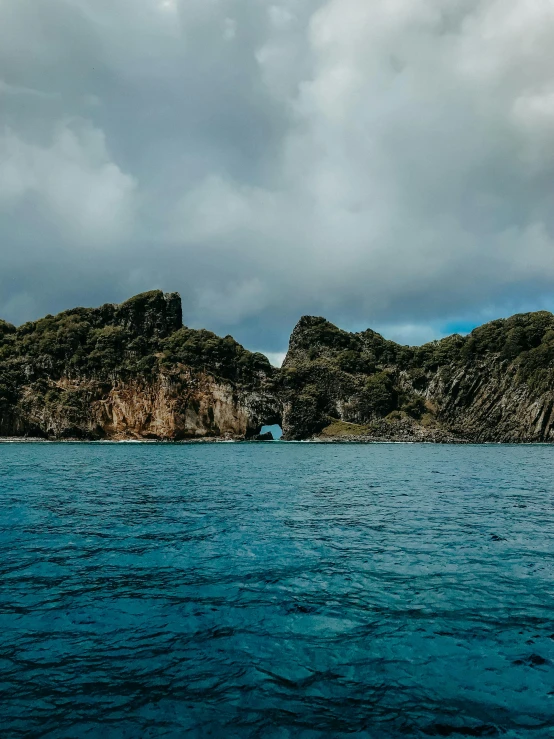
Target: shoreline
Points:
(222, 440)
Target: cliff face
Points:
(134, 371)
(496, 384)
(130, 371)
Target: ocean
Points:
(276, 590)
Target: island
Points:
(134, 371)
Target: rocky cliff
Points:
(134, 371)
(130, 371)
(496, 384)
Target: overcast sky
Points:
(384, 163)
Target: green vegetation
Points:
(221, 357)
(379, 396)
(59, 364)
(413, 405)
(362, 377)
(100, 346)
(133, 338)
(339, 428)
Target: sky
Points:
(385, 164)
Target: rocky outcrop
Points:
(268, 436)
(496, 384)
(131, 371)
(134, 371)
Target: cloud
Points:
(384, 164)
(276, 358)
(6, 89)
(71, 181)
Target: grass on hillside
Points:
(342, 428)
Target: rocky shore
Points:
(396, 430)
(134, 372)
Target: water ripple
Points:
(286, 590)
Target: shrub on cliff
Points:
(379, 396)
(221, 357)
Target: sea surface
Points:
(276, 590)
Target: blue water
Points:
(276, 590)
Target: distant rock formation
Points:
(130, 371)
(268, 436)
(496, 384)
(134, 371)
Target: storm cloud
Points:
(386, 164)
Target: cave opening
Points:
(275, 430)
